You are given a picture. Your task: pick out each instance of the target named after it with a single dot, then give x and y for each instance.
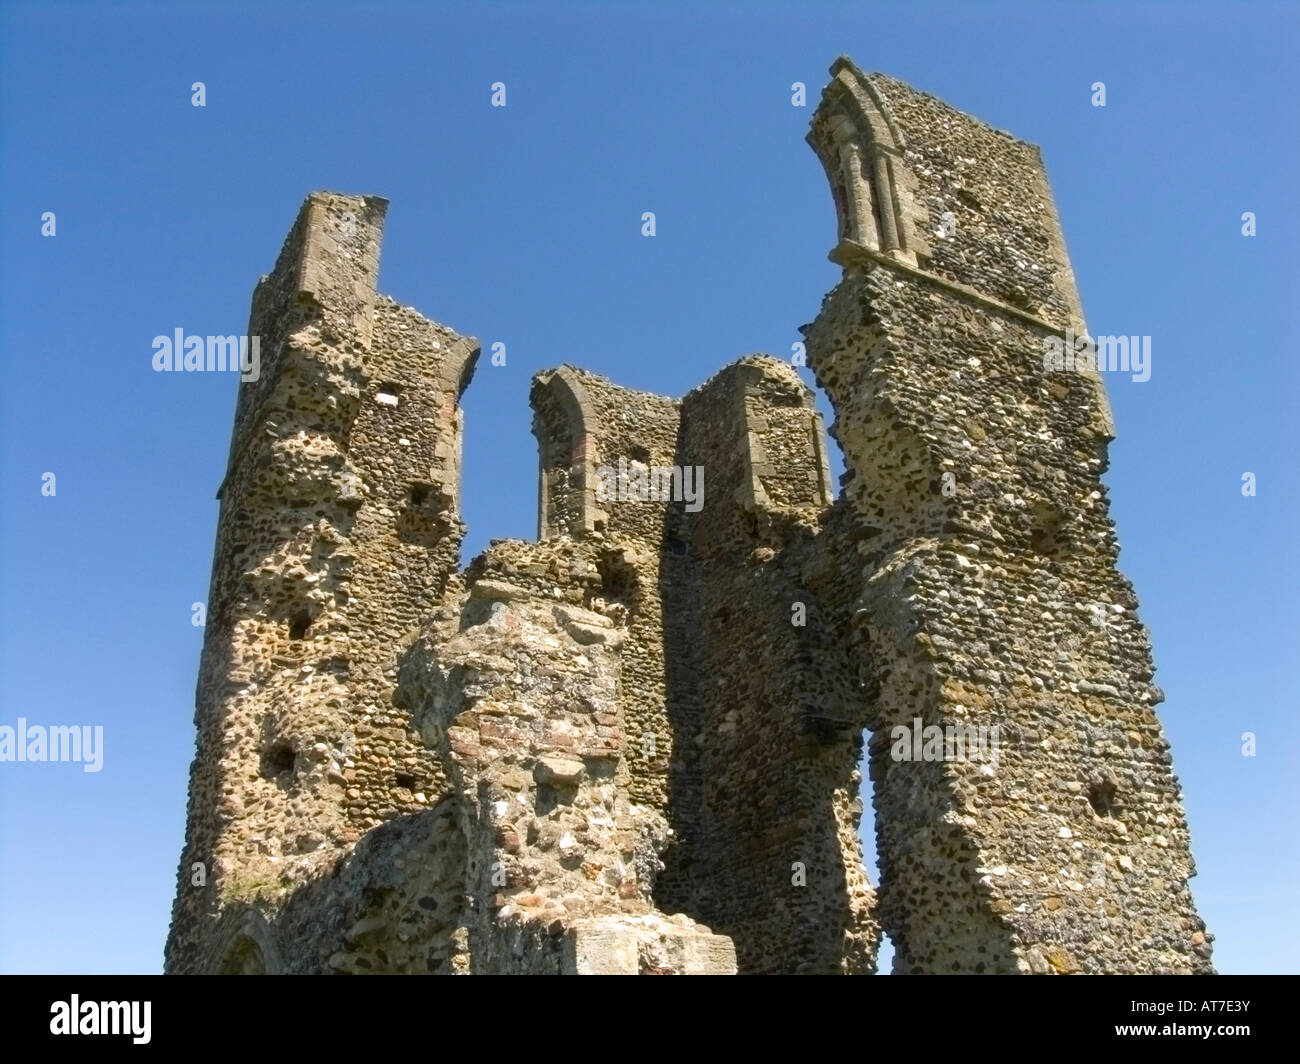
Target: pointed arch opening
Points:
(563, 418)
(862, 149)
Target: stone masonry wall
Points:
(765, 795)
(338, 534)
(997, 602)
(523, 705)
(634, 746)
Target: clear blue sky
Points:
(523, 225)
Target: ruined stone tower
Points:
(634, 745)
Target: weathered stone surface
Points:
(633, 746)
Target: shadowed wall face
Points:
(765, 787)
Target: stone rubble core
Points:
(633, 746)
